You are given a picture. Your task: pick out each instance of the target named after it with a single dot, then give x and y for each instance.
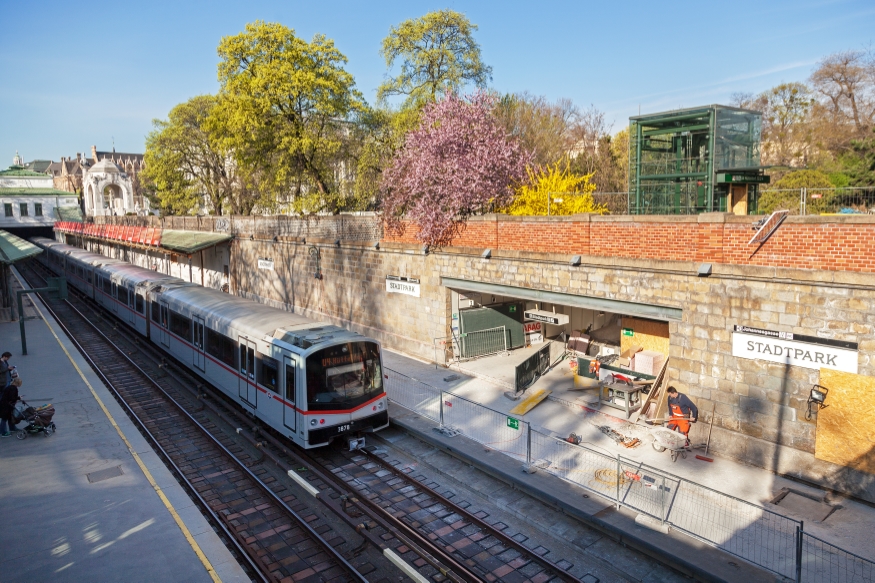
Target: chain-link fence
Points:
(818, 201)
(758, 535)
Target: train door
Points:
(113, 302)
(164, 320)
(290, 413)
(197, 324)
(246, 385)
(132, 303)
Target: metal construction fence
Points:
(468, 345)
(758, 535)
(817, 201)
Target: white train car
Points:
(312, 381)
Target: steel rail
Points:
(302, 523)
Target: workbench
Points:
(623, 393)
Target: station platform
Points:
(848, 525)
(92, 502)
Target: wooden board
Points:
(846, 427)
(648, 334)
(655, 401)
(530, 402)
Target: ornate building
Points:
(109, 190)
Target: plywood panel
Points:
(648, 334)
(846, 428)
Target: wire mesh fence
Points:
(822, 562)
(818, 201)
(746, 530)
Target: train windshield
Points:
(343, 376)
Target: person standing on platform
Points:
(5, 369)
(683, 412)
(8, 398)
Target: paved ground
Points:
(849, 526)
(59, 525)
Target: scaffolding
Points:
(695, 160)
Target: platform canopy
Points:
(14, 248)
(189, 242)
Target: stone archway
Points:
(114, 198)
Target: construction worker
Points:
(682, 412)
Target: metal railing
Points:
(469, 345)
(751, 532)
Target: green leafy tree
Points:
(786, 192)
(186, 167)
(438, 55)
(287, 108)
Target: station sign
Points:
(794, 349)
(396, 284)
(744, 178)
(265, 264)
(546, 317)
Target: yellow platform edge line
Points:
(186, 533)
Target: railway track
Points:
(387, 508)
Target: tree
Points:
(787, 139)
(457, 163)
(555, 190)
(438, 56)
(786, 192)
(846, 84)
(286, 106)
(543, 128)
(186, 168)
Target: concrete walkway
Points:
(848, 525)
(92, 502)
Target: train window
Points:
(344, 375)
(180, 325)
(221, 348)
(156, 313)
(247, 361)
(122, 295)
(140, 304)
(268, 373)
(290, 383)
(107, 286)
(88, 276)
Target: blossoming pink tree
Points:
(457, 163)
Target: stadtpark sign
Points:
(402, 285)
(794, 349)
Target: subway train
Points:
(311, 381)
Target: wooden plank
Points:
(846, 426)
(530, 402)
(656, 397)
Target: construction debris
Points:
(621, 439)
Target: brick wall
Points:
(831, 243)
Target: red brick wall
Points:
(828, 243)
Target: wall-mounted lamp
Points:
(337, 242)
(486, 254)
(377, 245)
(425, 249)
(252, 237)
(276, 238)
(704, 270)
(575, 261)
(817, 397)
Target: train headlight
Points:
(312, 422)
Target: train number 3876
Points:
(342, 428)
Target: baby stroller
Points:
(38, 419)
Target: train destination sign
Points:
(794, 349)
(402, 285)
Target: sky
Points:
(77, 75)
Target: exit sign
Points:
(513, 423)
(628, 332)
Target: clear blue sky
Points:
(81, 74)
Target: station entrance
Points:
(495, 329)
